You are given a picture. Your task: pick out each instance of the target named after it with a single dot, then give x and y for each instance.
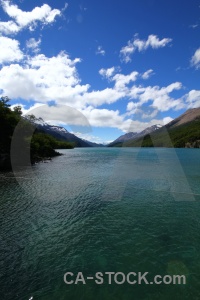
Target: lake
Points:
(101, 210)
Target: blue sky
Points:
(123, 65)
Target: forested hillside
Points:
(39, 144)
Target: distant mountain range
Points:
(182, 132)
(60, 133)
(134, 135)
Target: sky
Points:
(120, 65)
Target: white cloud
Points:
(9, 27)
(141, 45)
(33, 44)
(154, 42)
(26, 111)
(43, 79)
(193, 98)
(102, 117)
(166, 120)
(22, 19)
(132, 105)
(159, 97)
(122, 80)
(80, 121)
(105, 96)
(10, 50)
(195, 61)
(89, 137)
(100, 51)
(110, 95)
(107, 72)
(148, 114)
(126, 52)
(112, 118)
(147, 74)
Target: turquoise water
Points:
(101, 210)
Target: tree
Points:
(4, 101)
(18, 110)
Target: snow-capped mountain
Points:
(59, 132)
(134, 135)
(149, 130)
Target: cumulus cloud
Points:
(147, 74)
(57, 78)
(10, 51)
(112, 118)
(149, 113)
(80, 121)
(159, 97)
(193, 99)
(100, 97)
(166, 120)
(136, 44)
(26, 19)
(100, 51)
(99, 117)
(195, 61)
(107, 73)
(43, 79)
(89, 137)
(9, 27)
(33, 44)
(120, 89)
(132, 105)
(121, 80)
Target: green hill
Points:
(30, 144)
(183, 132)
(186, 135)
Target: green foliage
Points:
(43, 145)
(8, 122)
(39, 144)
(176, 137)
(18, 110)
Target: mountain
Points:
(149, 130)
(134, 135)
(182, 132)
(92, 144)
(60, 133)
(189, 116)
(124, 137)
